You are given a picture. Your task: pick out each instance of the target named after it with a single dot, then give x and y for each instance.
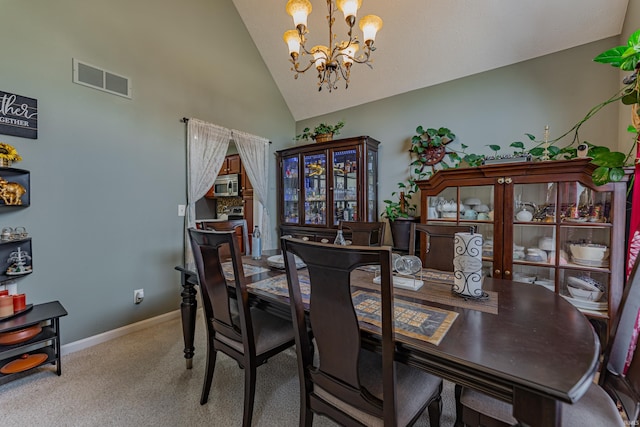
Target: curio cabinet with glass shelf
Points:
(323, 183)
(543, 223)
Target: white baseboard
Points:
(115, 333)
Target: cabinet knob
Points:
(305, 238)
(324, 241)
(508, 180)
(507, 273)
(496, 272)
(500, 180)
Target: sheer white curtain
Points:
(206, 149)
(254, 153)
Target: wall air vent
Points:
(98, 78)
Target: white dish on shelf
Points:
(585, 283)
(590, 262)
(546, 283)
(277, 261)
(449, 214)
(584, 294)
(591, 251)
(584, 219)
(587, 305)
(524, 279)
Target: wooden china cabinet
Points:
(320, 184)
(530, 214)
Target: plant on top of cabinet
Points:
(609, 163)
(321, 133)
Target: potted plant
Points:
(8, 155)
(401, 212)
(321, 133)
(428, 145)
(610, 164)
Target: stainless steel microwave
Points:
(226, 186)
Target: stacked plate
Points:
(586, 305)
(549, 284)
(277, 261)
(590, 262)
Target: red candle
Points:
(6, 305)
(4, 292)
(19, 302)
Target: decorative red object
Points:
(26, 361)
(19, 302)
(21, 335)
(6, 305)
(4, 292)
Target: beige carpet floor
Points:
(141, 380)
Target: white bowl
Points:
(584, 294)
(547, 243)
(590, 252)
(586, 283)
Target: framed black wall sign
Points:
(18, 115)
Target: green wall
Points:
(107, 173)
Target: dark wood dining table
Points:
(531, 348)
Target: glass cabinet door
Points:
(345, 185)
(533, 250)
(315, 189)
(585, 244)
(290, 172)
(372, 186)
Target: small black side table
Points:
(47, 341)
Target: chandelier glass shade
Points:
(333, 62)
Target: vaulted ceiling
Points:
(426, 42)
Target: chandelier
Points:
(334, 61)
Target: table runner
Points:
(412, 320)
(436, 288)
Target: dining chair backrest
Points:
(334, 323)
(620, 376)
(365, 233)
(247, 334)
(438, 251)
(237, 225)
(209, 247)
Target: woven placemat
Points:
(411, 320)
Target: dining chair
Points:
(344, 381)
(365, 233)
(237, 225)
(613, 401)
(440, 243)
(246, 334)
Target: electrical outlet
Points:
(181, 210)
(138, 296)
